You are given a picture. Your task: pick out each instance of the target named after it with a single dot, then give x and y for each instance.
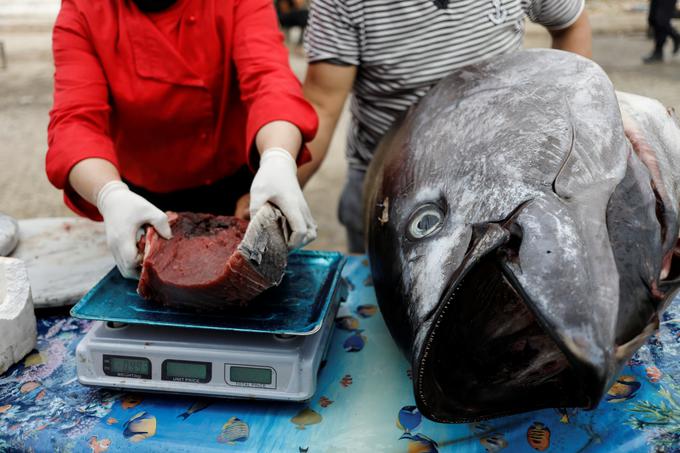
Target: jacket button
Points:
(191, 20)
(204, 135)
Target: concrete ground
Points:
(25, 100)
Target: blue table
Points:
(364, 403)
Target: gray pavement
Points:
(25, 99)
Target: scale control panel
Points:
(189, 371)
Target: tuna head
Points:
(486, 220)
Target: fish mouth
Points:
(486, 353)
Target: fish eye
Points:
(426, 221)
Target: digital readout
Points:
(129, 365)
(250, 375)
(187, 370)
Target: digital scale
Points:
(271, 349)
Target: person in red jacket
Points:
(172, 105)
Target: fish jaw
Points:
(518, 322)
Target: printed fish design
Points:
(366, 311)
(325, 402)
(565, 413)
(29, 387)
(653, 374)
(40, 395)
(347, 323)
(198, 406)
(624, 389)
(481, 428)
(99, 446)
(306, 417)
(346, 380)
(140, 427)
(409, 418)
(355, 343)
(493, 443)
(130, 401)
(37, 358)
(5, 408)
(235, 430)
(538, 436)
(111, 421)
(420, 443)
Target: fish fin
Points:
(183, 416)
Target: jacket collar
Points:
(154, 56)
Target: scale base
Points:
(291, 362)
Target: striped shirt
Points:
(403, 47)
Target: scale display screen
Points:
(251, 376)
(122, 366)
(185, 371)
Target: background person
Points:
(389, 54)
(660, 14)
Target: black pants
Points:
(660, 15)
(218, 198)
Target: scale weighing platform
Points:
(271, 349)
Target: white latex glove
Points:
(125, 213)
(276, 182)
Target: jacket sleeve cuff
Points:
(296, 111)
(61, 160)
(81, 206)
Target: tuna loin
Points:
(213, 262)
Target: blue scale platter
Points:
(296, 307)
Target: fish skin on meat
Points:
(522, 242)
(214, 262)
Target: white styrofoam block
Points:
(17, 320)
(9, 234)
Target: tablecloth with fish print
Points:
(363, 403)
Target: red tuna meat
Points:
(213, 262)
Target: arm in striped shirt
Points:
(567, 22)
(326, 87)
(576, 38)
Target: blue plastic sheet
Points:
(364, 403)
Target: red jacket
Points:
(168, 115)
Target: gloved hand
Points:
(276, 182)
(124, 215)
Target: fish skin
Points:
(525, 163)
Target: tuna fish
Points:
(521, 242)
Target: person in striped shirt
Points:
(389, 53)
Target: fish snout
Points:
(515, 330)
